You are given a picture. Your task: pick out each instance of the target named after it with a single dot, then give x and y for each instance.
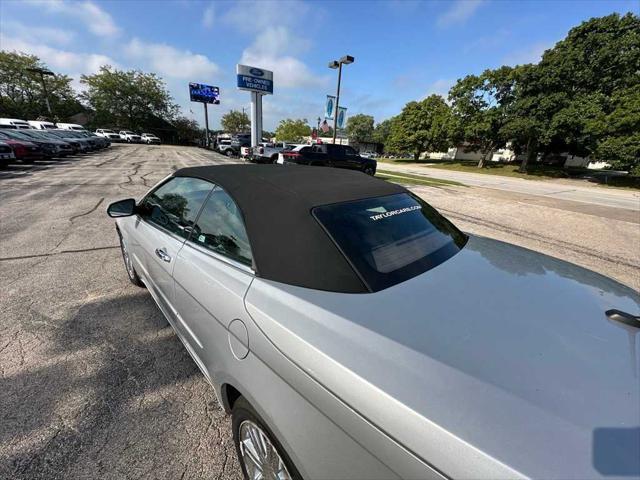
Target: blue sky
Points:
(404, 50)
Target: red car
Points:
(24, 150)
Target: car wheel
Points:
(128, 264)
(369, 171)
(259, 453)
(228, 153)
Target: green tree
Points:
(481, 105)
(383, 130)
(22, 95)
(360, 128)
(292, 130)
(561, 101)
(187, 130)
(425, 126)
(235, 122)
(131, 99)
(617, 129)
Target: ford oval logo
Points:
(257, 72)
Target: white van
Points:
(41, 125)
(70, 126)
(13, 123)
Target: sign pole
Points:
(256, 118)
(206, 125)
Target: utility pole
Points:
(206, 125)
(346, 60)
(42, 72)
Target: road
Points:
(572, 190)
(93, 382)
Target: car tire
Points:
(247, 426)
(128, 265)
(228, 153)
(369, 171)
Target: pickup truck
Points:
(268, 152)
(329, 155)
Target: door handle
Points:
(162, 253)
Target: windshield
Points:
(390, 239)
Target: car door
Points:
(351, 158)
(212, 275)
(165, 219)
(336, 156)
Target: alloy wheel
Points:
(259, 456)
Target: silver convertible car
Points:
(355, 333)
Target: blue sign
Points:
(255, 84)
(254, 79)
(204, 93)
(330, 107)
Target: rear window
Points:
(390, 239)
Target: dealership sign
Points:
(254, 79)
(199, 92)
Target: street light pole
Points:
(42, 72)
(335, 114)
(347, 59)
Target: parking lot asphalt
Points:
(93, 382)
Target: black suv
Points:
(330, 155)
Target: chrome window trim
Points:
(221, 258)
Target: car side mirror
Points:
(122, 208)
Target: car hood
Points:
(498, 362)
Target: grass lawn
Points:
(410, 179)
(535, 172)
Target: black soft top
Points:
(287, 243)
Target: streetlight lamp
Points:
(42, 72)
(346, 60)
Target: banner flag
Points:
(330, 108)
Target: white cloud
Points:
(530, 54)
(169, 61)
(208, 16)
(272, 50)
(42, 34)
(256, 15)
(87, 13)
(60, 61)
(458, 13)
(440, 87)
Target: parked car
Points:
(6, 153)
(73, 145)
(23, 150)
(102, 142)
(150, 138)
(225, 148)
(110, 134)
(53, 147)
(235, 144)
(330, 155)
(268, 152)
(129, 136)
(13, 123)
(375, 345)
(41, 125)
(86, 144)
(70, 126)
